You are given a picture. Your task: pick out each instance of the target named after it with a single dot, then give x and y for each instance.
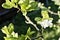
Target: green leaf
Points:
(22, 37)
(10, 28)
(23, 4)
(27, 37)
(10, 38)
(5, 30)
(8, 4)
(34, 6)
(44, 13)
(14, 34)
(7, 1)
(23, 7)
(14, 1)
(38, 19)
(29, 32)
(4, 5)
(28, 5)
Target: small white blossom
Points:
(59, 39)
(46, 23)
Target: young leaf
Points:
(22, 37)
(29, 32)
(7, 1)
(14, 34)
(4, 5)
(8, 4)
(34, 6)
(44, 13)
(28, 5)
(14, 1)
(38, 19)
(5, 30)
(10, 38)
(10, 28)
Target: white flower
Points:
(59, 39)
(46, 23)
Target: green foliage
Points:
(28, 5)
(29, 32)
(28, 35)
(8, 30)
(10, 4)
(14, 1)
(11, 35)
(52, 34)
(45, 21)
(44, 13)
(45, 16)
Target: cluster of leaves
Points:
(9, 4)
(45, 21)
(26, 5)
(11, 35)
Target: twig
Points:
(51, 12)
(18, 9)
(30, 22)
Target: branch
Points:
(30, 22)
(18, 9)
(51, 12)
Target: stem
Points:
(18, 9)
(28, 19)
(51, 12)
(30, 22)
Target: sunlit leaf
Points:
(5, 30)
(14, 1)
(4, 5)
(29, 32)
(10, 27)
(44, 13)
